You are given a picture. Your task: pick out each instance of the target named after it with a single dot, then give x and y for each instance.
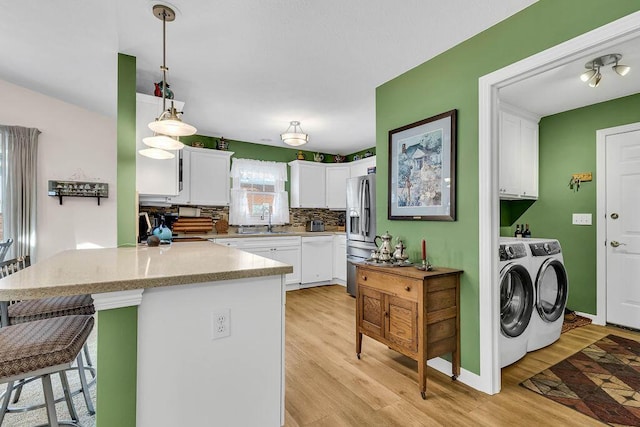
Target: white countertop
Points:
(91, 271)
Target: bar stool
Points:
(39, 349)
(4, 248)
(18, 312)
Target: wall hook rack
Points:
(62, 189)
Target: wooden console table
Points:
(416, 313)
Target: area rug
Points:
(572, 321)
(601, 381)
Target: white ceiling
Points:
(560, 89)
(244, 68)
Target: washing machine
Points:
(551, 289)
(517, 296)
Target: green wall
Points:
(118, 329)
(450, 81)
(568, 146)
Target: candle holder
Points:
(425, 266)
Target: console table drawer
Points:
(391, 284)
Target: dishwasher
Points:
(317, 254)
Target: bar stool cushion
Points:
(41, 344)
(30, 310)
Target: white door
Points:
(623, 228)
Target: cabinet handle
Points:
(386, 314)
(364, 278)
(407, 288)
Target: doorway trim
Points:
(610, 34)
(601, 224)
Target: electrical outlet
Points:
(220, 323)
(581, 219)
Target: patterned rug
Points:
(601, 381)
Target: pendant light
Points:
(295, 137)
(168, 127)
(593, 76)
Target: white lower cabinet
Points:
(317, 259)
(283, 249)
(340, 259)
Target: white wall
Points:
(73, 141)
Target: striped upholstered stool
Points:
(17, 312)
(48, 308)
(42, 348)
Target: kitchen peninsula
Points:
(184, 376)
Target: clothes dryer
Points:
(517, 296)
(551, 288)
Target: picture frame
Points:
(422, 169)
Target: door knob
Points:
(616, 244)
(614, 216)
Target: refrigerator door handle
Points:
(363, 218)
(366, 206)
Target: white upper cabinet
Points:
(360, 167)
(205, 177)
(336, 185)
(323, 185)
(153, 177)
(308, 186)
(518, 154)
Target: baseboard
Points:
(465, 377)
(594, 318)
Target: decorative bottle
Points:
(518, 231)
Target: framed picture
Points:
(422, 170)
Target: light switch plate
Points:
(581, 219)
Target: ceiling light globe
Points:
(295, 139)
(156, 153)
(163, 142)
(172, 127)
(587, 75)
(622, 70)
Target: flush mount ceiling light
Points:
(593, 76)
(168, 127)
(294, 137)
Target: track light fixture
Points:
(593, 75)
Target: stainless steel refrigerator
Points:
(360, 224)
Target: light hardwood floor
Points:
(326, 385)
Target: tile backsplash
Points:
(298, 217)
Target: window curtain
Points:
(257, 171)
(19, 147)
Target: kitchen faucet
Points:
(267, 209)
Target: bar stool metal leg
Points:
(5, 401)
(85, 386)
(49, 401)
(67, 396)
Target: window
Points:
(257, 193)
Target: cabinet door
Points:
(360, 167)
(185, 164)
(291, 256)
(402, 322)
(337, 186)
(371, 310)
(340, 258)
(529, 159)
(308, 186)
(209, 177)
(509, 155)
(153, 177)
(317, 259)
